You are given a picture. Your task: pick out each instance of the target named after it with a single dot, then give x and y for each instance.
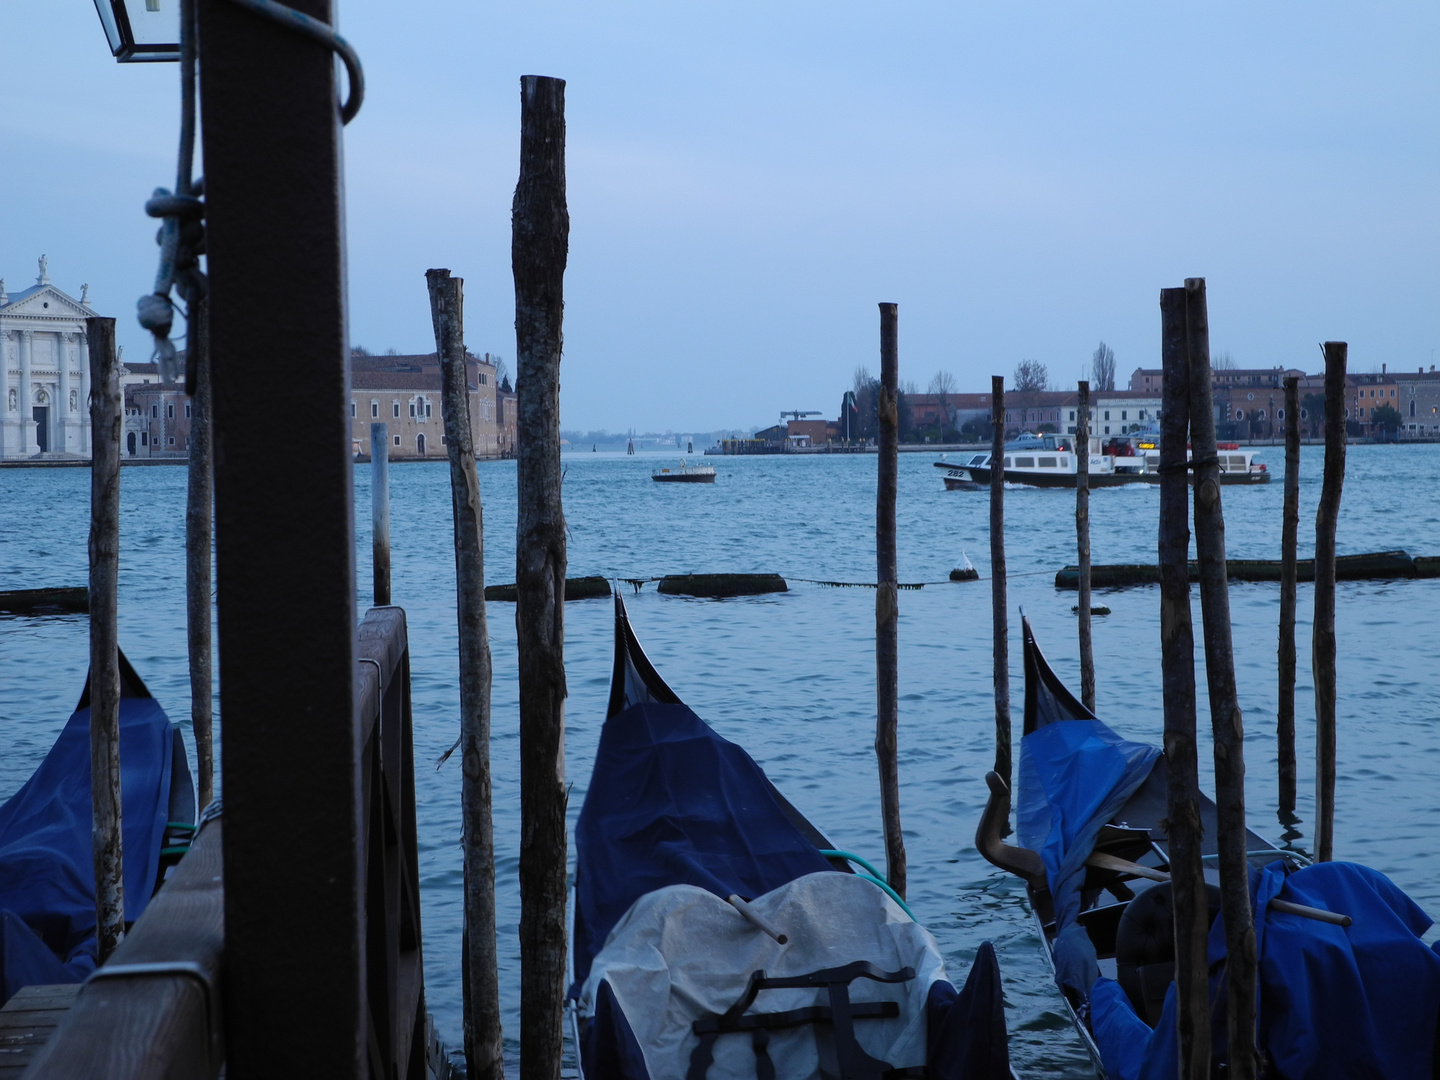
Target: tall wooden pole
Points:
(484, 1050)
(1323, 643)
(539, 246)
(1225, 719)
(1177, 661)
(199, 508)
(887, 601)
(380, 510)
(1289, 537)
(1082, 543)
(998, 602)
(106, 417)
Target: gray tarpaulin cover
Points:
(682, 952)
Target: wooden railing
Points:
(157, 1008)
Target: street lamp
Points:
(141, 31)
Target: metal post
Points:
(285, 549)
(106, 419)
(380, 509)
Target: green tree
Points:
(1312, 410)
(1031, 375)
(1386, 418)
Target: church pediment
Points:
(45, 301)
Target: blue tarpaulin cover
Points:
(47, 877)
(1336, 1003)
(673, 803)
(1074, 776)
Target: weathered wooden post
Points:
(295, 1000)
(887, 602)
(1289, 537)
(998, 601)
(484, 1051)
(539, 246)
(106, 418)
(1322, 660)
(1082, 543)
(1177, 659)
(199, 506)
(380, 510)
(1225, 718)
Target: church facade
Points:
(45, 361)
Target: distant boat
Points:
(686, 474)
(1051, 461)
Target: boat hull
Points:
(976, 478)
(681, 478)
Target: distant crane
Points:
(798, 414)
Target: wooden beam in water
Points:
(887, 601)
(1327, 517)
(1285, 649)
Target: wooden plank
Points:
(28, 1021)
(887, 605)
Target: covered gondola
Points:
(1347, 986)
(718, 933)
(47, 876)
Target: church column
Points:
(83, 352)
(6, 416)
(28, 446)
(64, 416)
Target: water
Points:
(791, 676)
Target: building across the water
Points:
(404, 392)
(45, 363)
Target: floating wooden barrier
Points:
(965, 573)
(1376, 566)
(721, 585)
(576, 588)
(45, 601)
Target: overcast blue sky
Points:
(748, 180)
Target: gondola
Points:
(47, 877)
(718, 934)
(1347, 986)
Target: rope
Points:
(1186, 466)
(182, 236)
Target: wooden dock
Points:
(26, 1023)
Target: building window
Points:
(1259, 414)
(483, 378)
(397, 437)
(352, 410)
(1239, 414)
(1107, 429)
(1279, 414)
(187, 411)
(412, 410)
(1412, 407)
(427, 410)
(171, 440)
(420, 443)
(1072, 414)
(170, 410)
(1107, 417)
(395, 408)
(374, 410)
(1123, 415)
(144, 438)
(155, 412)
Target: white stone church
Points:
(45, 361)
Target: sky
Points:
(747, 180)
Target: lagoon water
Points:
(791, 677)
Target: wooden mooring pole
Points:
(380, 510)
(1289, 538)
(887, 604)
(1322, 658)
(484, 1050)
(540, 226)
(106, 418)
(1177, 660)
(199, 508)
(998, 601)
(1082, 543)
(1226, 721)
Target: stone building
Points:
(404, 392)
(1419, 397)
(507, 419)
(45, 364)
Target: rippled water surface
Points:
(791, 677)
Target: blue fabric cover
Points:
(47, 876)
(673, 803)
(1074, 776)
(1336, 1003)
(965, 1032)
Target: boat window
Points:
(1047, 463)
(979, 459)
(1007, 463)
(1237, 461)
(1024, 463)
(1064, 462)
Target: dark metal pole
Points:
(1289, 538)
(1177, 661)
(106, 417)
(539, 247)
(887, 601)
(1082, 543)
(1323, 642)
(199, 509)
(380, 510)
(285, 549)
(484, 1049)
(998, 601)
(1225, 719)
